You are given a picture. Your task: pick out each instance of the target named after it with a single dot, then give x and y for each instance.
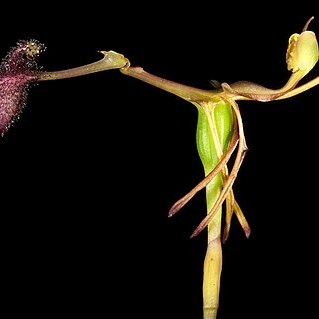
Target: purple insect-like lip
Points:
(17, 71)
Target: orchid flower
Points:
(220, 130)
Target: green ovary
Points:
(221, 116)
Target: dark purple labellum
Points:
(17, 71)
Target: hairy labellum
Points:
(17, 71)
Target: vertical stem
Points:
(214, 130)
(213, 259)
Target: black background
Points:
(92, 167)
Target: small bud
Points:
(17, 71)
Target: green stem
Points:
(213, 258)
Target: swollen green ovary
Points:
(210, 153)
